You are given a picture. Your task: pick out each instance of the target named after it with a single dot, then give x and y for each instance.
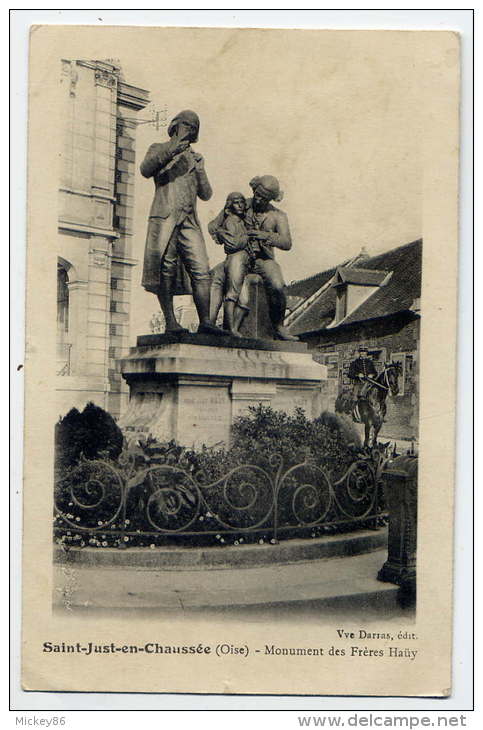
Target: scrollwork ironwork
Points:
(90, 496)
(241, 499)
(174, 502)
(311, 495)
(170, 498)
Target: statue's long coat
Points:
(166, 169)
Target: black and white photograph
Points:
(245, 227)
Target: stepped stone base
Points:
(227, 557)
(190, 387)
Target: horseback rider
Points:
(360, 370)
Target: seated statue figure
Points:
(266, 228)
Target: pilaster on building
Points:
(96, 200)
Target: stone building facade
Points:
(96, 198)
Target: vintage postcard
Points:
(240, 361)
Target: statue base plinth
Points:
(190, 387)
(227, 341)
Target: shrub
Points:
(264, 432)
(92, 432)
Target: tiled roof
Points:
(403, 287)
(306, 287)
(293, 302)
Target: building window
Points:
(331, 360)
(62, 299)
(341, 304)
(400, 357)
(353, 286)
(407, 361)
(63, 360)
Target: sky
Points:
(332, 118)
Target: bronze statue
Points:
(266, 228)
(175, 258)
(228, 277)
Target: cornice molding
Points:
(80, 228)
(126, 260)
(132, 97)
(110, 75)
(85, 194)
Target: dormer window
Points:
(353, 287)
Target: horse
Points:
(370, 409)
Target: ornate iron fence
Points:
(116, 503)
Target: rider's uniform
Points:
(362, 366)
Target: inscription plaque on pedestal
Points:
(190, 388)
(203, 413)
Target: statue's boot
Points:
(201, 298)
(277, 304)
(282, 333)
(165, 297)
(229, 310)
(211, 329)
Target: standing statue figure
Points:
(267, 228)
(175, 257)
(228, 282)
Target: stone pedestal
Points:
(400, 482)
(191, 387)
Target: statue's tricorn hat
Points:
(187, 116)
(269, 185)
